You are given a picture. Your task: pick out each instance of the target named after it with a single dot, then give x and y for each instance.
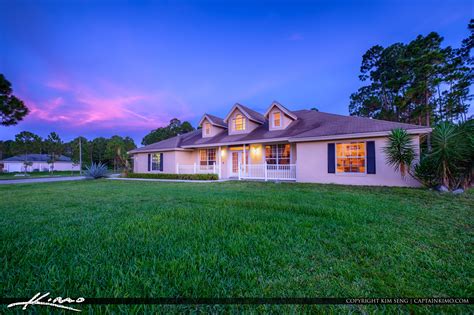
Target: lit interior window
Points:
(350, 157)
(207, 156)
(239, 122)
(276, 119)
(207, 128)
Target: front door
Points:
(234, 166)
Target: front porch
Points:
(253, 161)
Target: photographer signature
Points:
(56, 302)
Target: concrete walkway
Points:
(170, 180)
(40, 180)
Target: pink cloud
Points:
(106, 106)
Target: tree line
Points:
(110, 151)
(418, 82)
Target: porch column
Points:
(245, 160)
(220, 162)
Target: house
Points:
(302, 145)
(39, 162)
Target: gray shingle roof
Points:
(253, 114)
(309, 124)
(35, 158)
(217, 120)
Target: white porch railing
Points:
(267, 171)
(196, 169)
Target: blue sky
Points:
(99, 68)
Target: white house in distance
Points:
(39, 163)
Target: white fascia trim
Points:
(359, 135)
(210, 121)
(282, 108)
(237, 105)
(238, 143)
(157, 150)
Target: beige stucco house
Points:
(302, 146)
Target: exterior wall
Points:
(41, 166)
(214, 129)
(285, 119)
(170, 159)
(312, 166)
(249, 125)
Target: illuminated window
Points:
(350, 157)
(207, 156)
(276, 119)
(155, 162)
(207, 128)
(277, 154)
(239, 122)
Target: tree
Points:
(86, 150)
(55, 148)
(6, 149)
(12, 109)
(400, 151)
(23, 143)
(98, 148)
(419, 82)
(174, 128)
(117, 148)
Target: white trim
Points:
(282, 108)
(205, 116)
(239, 107)
(358, 135)
(238, 142)
(160, 150)
(350, 173)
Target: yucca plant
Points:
(400, 151)
(96, 170)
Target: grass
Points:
(235, 239)
(18, 175)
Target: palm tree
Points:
(400, 152)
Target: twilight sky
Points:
(99, 68)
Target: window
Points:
(207, 156)
(277, 154)
(207, 128)
(350, 157)
(276, 119)
(239, 122)
(155, 162)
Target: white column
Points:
(265, 170)
(194, 168)
(239, 170)
(245, 161)
(220, 162)
(177, 168)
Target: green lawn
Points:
(235, 239)
(4, 176)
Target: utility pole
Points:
(80, 155)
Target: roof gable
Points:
(248, 112)
(282, 108)
(214, 120)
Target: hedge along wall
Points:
(174, 176)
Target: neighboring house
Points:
(302, 145)
(39, 162)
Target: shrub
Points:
(96, 170)
(174, 176)
(425, 172)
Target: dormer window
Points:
(207, 129)
(276, 119)
(239, 122)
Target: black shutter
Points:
(331, 158)
(161, 162)
(149, 162)
(370, 157)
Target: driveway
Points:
(40, 180)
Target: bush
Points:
(174, 176)
(425, 172)
(96, 170)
